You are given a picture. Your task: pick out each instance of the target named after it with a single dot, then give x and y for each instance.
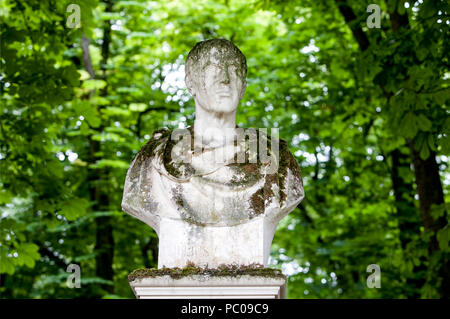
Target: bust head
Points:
(215, 75)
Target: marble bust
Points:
(214, 193)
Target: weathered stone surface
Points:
(230, 270)
(208, 211)
(204, 287)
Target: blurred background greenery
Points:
(364, 111)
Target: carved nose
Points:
(225, 77)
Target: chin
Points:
(224, 107)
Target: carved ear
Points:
(243, 90)
(189, 85)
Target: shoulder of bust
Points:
(158, 138)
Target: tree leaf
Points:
(424, 151)
(93, 84)
(443, 236)
(424, 123)
(408, 125)
(74, 208)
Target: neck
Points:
(213, 127)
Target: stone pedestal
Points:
(244, 244)
(209, 287)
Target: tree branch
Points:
(87, 56)
(350, 18)
(43, 251)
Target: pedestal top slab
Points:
(212, 283)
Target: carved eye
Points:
(232, 70)
(214, 68)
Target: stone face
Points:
(217, 201)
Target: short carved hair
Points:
(225, 50)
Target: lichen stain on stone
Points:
(157, 138)
(256, 270)
(287, 162)
(244, 175)
(222, 50)
(257, 201)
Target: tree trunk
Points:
(426, 171)
(408, 218)
(429, 187)
(151, 245)
(430, 192)
(97, 178)
(104, 245)
(407, 215)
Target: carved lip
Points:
(225, 93)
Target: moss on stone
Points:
(191, 220)
(175, 168)
(226, 52)
(158, 137)
(221, 271)
(161, 146)
(257, 201)
(287, 161)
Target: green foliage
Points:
(345, 112)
